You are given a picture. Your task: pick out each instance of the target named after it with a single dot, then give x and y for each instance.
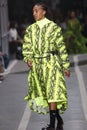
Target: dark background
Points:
(20, 9)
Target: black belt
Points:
(48, 55)
(54, 52)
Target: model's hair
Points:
(47, 9)
(43, 5)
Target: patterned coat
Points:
(43, 44)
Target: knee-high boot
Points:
(59, 121)
(51, 126)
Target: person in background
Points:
(84, 27)
(75, 41)
(14, 39)
(5, 59)
(44, 51)
(4, 62)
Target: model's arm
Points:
(27, 48)
(60, 45)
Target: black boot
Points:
(60, 121)
(48, 128)
(52, 121)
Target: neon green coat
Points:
(43, 44)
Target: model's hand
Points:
(29, 63)
(67, 73)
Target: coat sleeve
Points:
(61, 47)
(27, 46)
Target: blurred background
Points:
(19, 9)
(15, 17)
(19, 12)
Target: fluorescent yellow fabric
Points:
(43, 44)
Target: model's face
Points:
(38, 12)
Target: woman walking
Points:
(45, 53)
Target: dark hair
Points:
(43, 5)
(47, 9)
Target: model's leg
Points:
(54, 112)
(52, 108)
(60, 121)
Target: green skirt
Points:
(46, 83)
